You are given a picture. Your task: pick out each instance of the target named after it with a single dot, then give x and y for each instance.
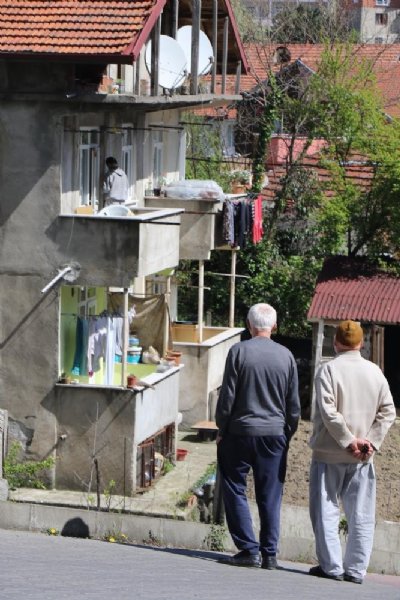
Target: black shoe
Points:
(242, 559)
(353, 579)
(269, 562)
(318, 572)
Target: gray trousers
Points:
(355, 486)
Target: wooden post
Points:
(174, 18)
(155, 56)
(224, 55)
(201, 301)
(214, 45)
(238, 73)
(232, 288)
(196, 9)
(125, 335)
(167, 313)
(137, 76)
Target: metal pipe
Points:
(56, 278)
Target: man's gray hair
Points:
(262, 316)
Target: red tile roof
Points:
(102, 29)
(384, 60)
(97, 27)
(353, 288)
(358, 171)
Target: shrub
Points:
(24, 473)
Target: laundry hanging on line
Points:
(242, 221)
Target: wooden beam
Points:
(200, 302)
(238, 73)
(174, 18)
(214, 45)
(232, 288)
(155, 57)
(195, 46)
(224, 55)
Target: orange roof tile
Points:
(384, 59)
(85, 27)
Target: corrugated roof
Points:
(353, 288)
(94, 28)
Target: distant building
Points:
(377, 21)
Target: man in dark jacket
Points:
(257, 413)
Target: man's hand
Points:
(361, 449)
(218, 438)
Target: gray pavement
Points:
(34, 566)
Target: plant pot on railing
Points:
(238, 188)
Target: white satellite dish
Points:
(206, 52)
(172, 63)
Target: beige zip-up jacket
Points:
(353, 400)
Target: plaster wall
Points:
(204, 369)
(197, 225)
(35, 241)
(371, 30)
(108, 424)
(156, 408)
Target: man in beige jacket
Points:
(354, 410)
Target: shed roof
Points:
(355, 288)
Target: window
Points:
(382, 2)
(381, 19)
(157, 156)
(127, 158)
(89, 166)
(378, 40)
(87, 301)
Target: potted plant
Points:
(240, 180)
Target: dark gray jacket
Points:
(259, 393)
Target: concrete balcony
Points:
(197, 232)
(114, 250)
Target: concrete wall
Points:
(297, 542)
(197, 225)
(34, 243)
(108, 424)
(204, 369)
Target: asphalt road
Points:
(35, 566)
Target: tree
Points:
(311, 24)
(338, 105)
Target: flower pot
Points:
(181, 454)
(175, 356)
(238, 188)
(131, 381)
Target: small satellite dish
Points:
(172, 63)
(206, 53)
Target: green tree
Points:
(311, 24)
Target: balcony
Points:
(197, 231)
(113, 250)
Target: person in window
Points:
(115, 186)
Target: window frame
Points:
(92, 149)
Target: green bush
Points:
(24, 473)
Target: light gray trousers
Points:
(355, 486)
